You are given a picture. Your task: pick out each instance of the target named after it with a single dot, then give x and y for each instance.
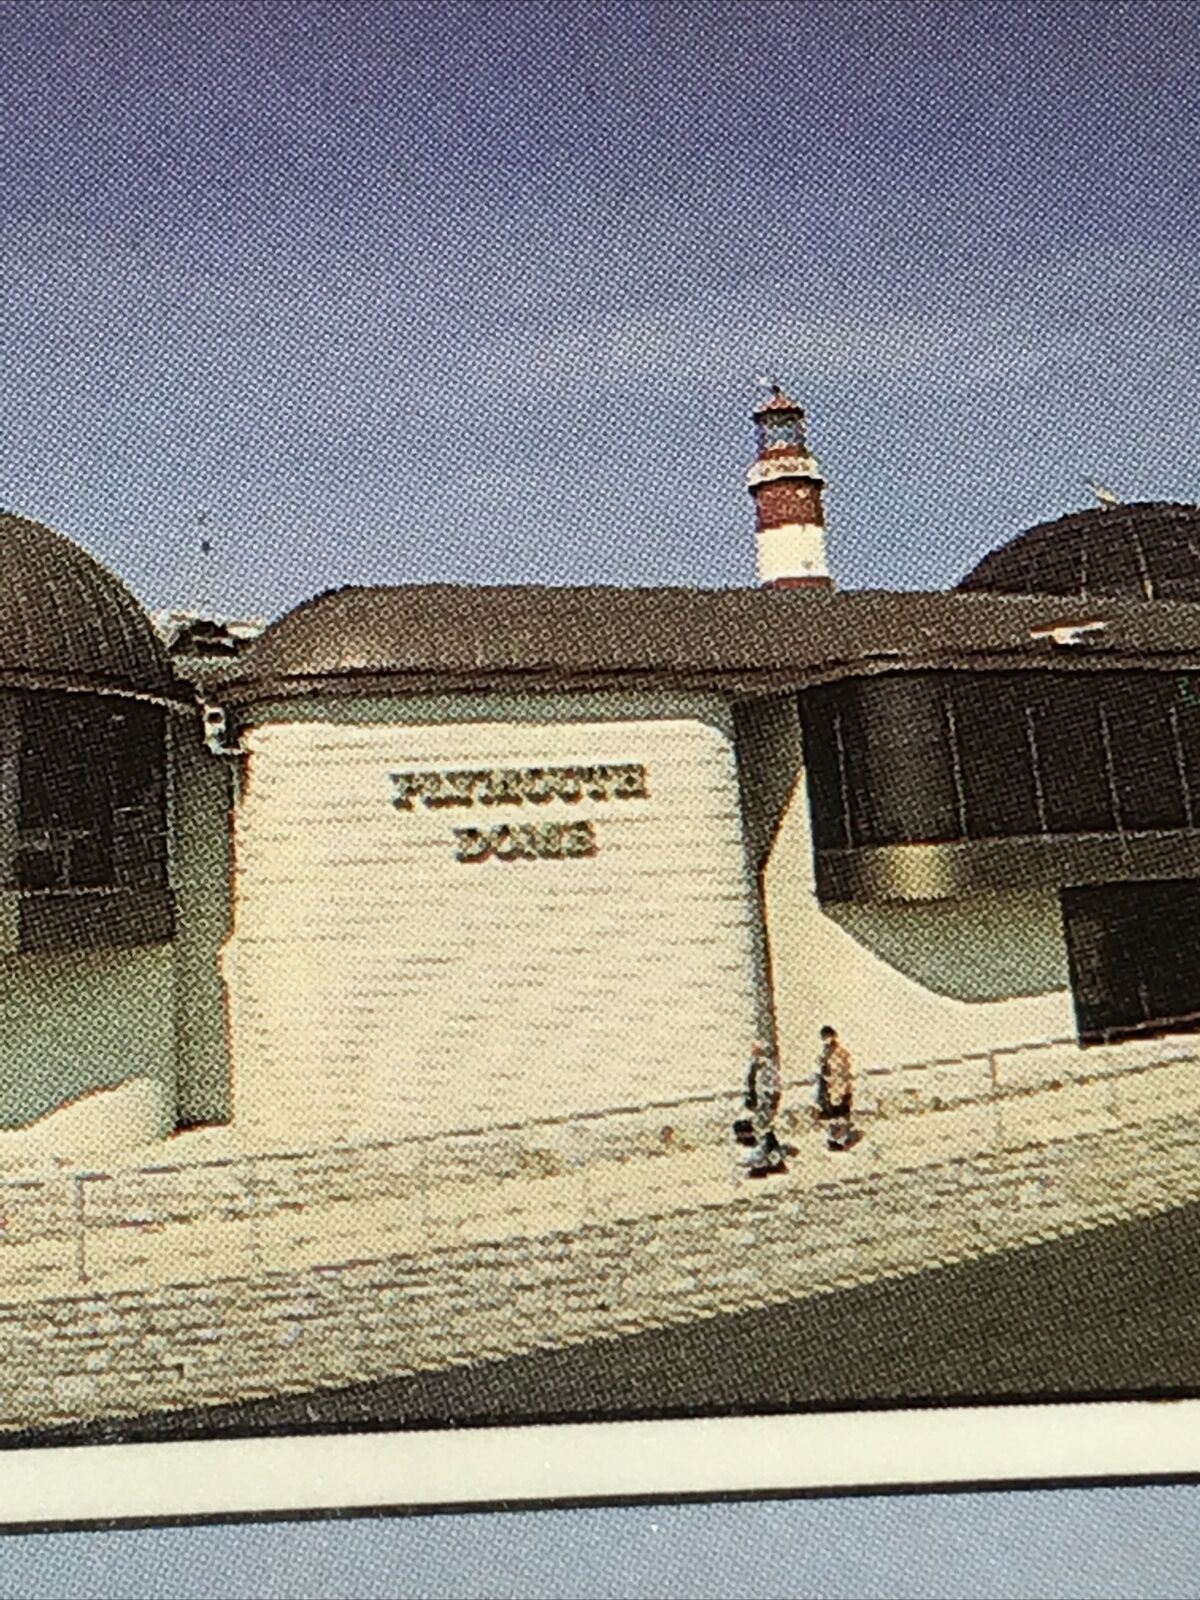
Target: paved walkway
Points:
(681, 1180)
(451, 1214)
(189, 1283)
(139, 1230)
(1104, 1310)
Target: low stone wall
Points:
(181, 1284)
(189, 1219)
(129, 1351)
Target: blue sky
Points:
(398, 293)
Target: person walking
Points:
(764, 1091)
(835, 1091)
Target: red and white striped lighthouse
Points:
(786, 484)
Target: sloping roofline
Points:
(416, 638)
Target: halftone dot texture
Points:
(404, 293)
(306, 295)
(1098, 1544)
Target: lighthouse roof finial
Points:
(779, 399)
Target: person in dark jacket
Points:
(764, 1091)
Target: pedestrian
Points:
(835, 1091)
(764, 1090)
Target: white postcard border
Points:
(571, 1462)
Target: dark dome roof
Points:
(1149, 550)
(66, 620)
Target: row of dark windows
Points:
(930, 757)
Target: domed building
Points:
(1141, 551)
(452, 857)
(458, 910)
(103, 887)
(554, 832)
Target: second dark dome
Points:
(1148, 550)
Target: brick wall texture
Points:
(189, 1282)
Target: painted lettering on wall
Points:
(515, 786)
(518, 786)
(526, 841)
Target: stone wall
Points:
(182, 1283)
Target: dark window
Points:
(879, 762)
(1071, 755)
(995, 758)
(1186, 718)
(854, 765)
(918, 758)
(65, 811)
(83, 818)
(821, 722)
(1134, 952)
(1145, 755)
(903, 783)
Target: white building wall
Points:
(377, 983)
(201, 851)
(907, 981)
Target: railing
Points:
(76, 1218)
(503, 1150)
(1162, 1028)
(714, 1098)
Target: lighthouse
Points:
(786, 485)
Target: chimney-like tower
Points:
(786, 485)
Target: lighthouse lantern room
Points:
(787, 487)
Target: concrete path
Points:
(233, 1214)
